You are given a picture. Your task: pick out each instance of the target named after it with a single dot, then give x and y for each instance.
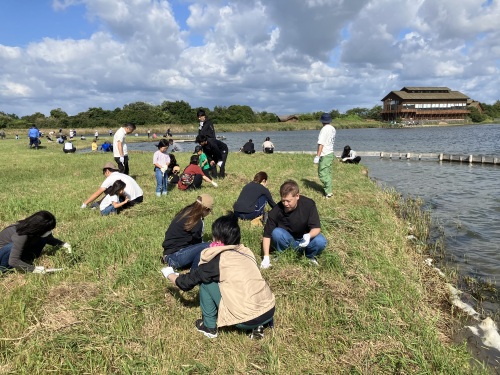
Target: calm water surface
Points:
(464, 199)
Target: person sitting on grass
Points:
(114, 199)
(184, 237)
(293, 223)
(23, 242)
(232, 289)
(253, 198)
(349, 156)
(193, 176)
(248, 148)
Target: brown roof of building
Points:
(424, 88)
(451, 95)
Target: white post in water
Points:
(470, 159)
(381, 155)
(408, 156)
(419, 156)
(440, 157)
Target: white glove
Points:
(167, 271)
(122, 159)
(219, 163)
(39, 269)
(316, 160)
(266, 262)
(67, 246)
(164, 168)
(344, 159)
(214, 184)
(51, 270)
(306, 238)
(83, 205)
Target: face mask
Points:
(46, 234)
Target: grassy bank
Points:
(370, 307)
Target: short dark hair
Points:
(226, 229)
(37, 224)
(201, 138)
(194, 159)
(200, 112)
(130, 126)
(289, 187)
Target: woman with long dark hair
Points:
(232, 289)
(349, 156)
(184, 237)
(253, 198)
(21, 243)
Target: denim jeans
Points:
(282, 239)
(161, 181)
(4, 257)
(258, 209)
(108, 210)
(187, 257)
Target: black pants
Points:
(356, 160)
(222, 170)
(123, 167)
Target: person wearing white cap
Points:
(324, 155)
(183, 241)
(132, 190)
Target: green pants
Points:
(325, 172)
(209, 303)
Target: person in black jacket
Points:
(253, 198)
(248, 148)
(206, 127)
(216, 152)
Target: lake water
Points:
(464, 199)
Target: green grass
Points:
(371, 307)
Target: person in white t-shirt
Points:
(324, 155)
(120, 147)
(68, 147)
(132, 190)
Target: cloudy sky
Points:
(281, 56)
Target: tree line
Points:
(181, 112)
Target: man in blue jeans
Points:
(293, 223)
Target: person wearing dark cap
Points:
(204, 165)
(206, 127)
(216, 152)
(324, 154)
(161, 161)
(192, 176)
(132, 189)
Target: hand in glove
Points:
(164, 168)
(83, 205)
(68, 248)
(122, 159)
(306, 238)
(316, 160)
(39, 269)
(214, 184)
(219, 163)
(266, 262)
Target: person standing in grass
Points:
(293, 223)
(253, 198)
(132, 189)
(206, 127)
(23, 242)
(120, 152)
(184, 237)
(114, 199)
(232, 289)
(216, 152)
(161, 161)
(34, 136)
(324, 155)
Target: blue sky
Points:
(281, 56)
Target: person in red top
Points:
(196, 176)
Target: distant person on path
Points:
(183, 241)
(110, 132)
(203, 160)
(69, 148)
(324, 154)
(192, 177)
(232, 289)
(248, 148)
(94, 145)
(132, 189)
(114, 199)
(120, 147)
(149, 133)
(174, 146)
(253, 198)
(34, 136)
(96, 135)
(161, 161)
(267, 146)
(23, 242)
(168, 133)
(349, 156)
(216, 152)
(293, 223)
(206, 127)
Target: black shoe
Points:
(257, 333)
(209, 332)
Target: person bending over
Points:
(232, 289)
(349, 156)
(183, 241)
(23, 242)
(193, 176)
(253, 198)
(293, 223)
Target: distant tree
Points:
(178, 112)
(475, 115)
(58, 113)
(265, 117)
(140, 113)
(361, 112)
(375, 113)
(335, 113)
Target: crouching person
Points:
(232, 290)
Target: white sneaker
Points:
(329, 195)
(313, 261)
